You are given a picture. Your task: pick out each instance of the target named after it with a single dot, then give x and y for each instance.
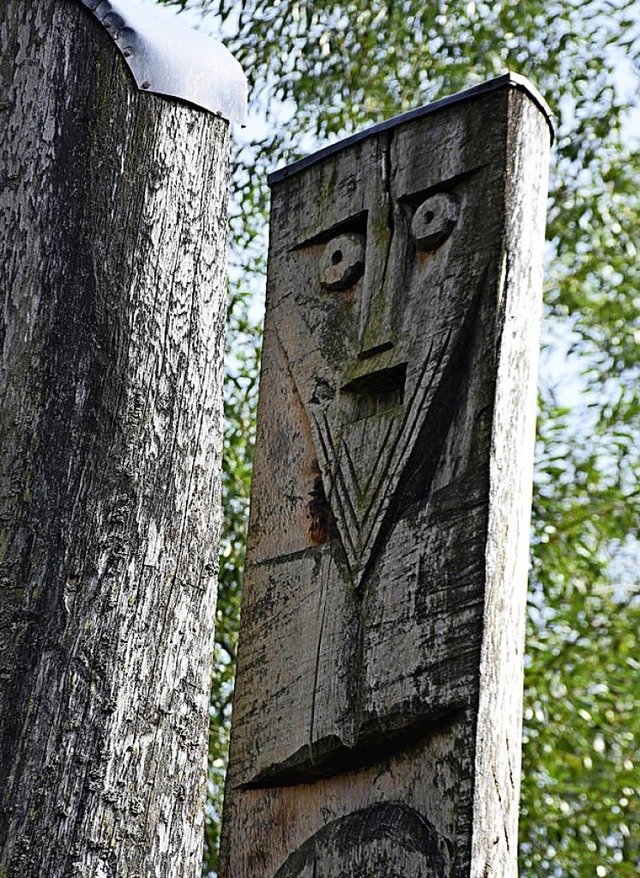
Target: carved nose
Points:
(377, 318)
(377, 334)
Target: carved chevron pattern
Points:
(360, 501)
(363, 462)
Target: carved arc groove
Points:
(380, 841)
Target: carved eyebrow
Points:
(415, 198)
(356, 224)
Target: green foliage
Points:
(319, 70)
(242, 357)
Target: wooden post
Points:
(376, 725)
(113, 240)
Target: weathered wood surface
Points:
(113, 263)
(376, 724)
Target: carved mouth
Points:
(381, 382)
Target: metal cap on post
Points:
(507, 80)
(170, 58)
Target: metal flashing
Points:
(168, 57)
(507, 80)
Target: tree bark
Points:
(113, 254)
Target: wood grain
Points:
(113, 263)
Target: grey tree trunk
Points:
(376, 721)
(113, 263)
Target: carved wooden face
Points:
(370, 498)
(378, 571)
(374, 304)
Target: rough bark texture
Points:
(113, 261)
(376, 724)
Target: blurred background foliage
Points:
(320, 70)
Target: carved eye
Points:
(434, 221)
(342, 262)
